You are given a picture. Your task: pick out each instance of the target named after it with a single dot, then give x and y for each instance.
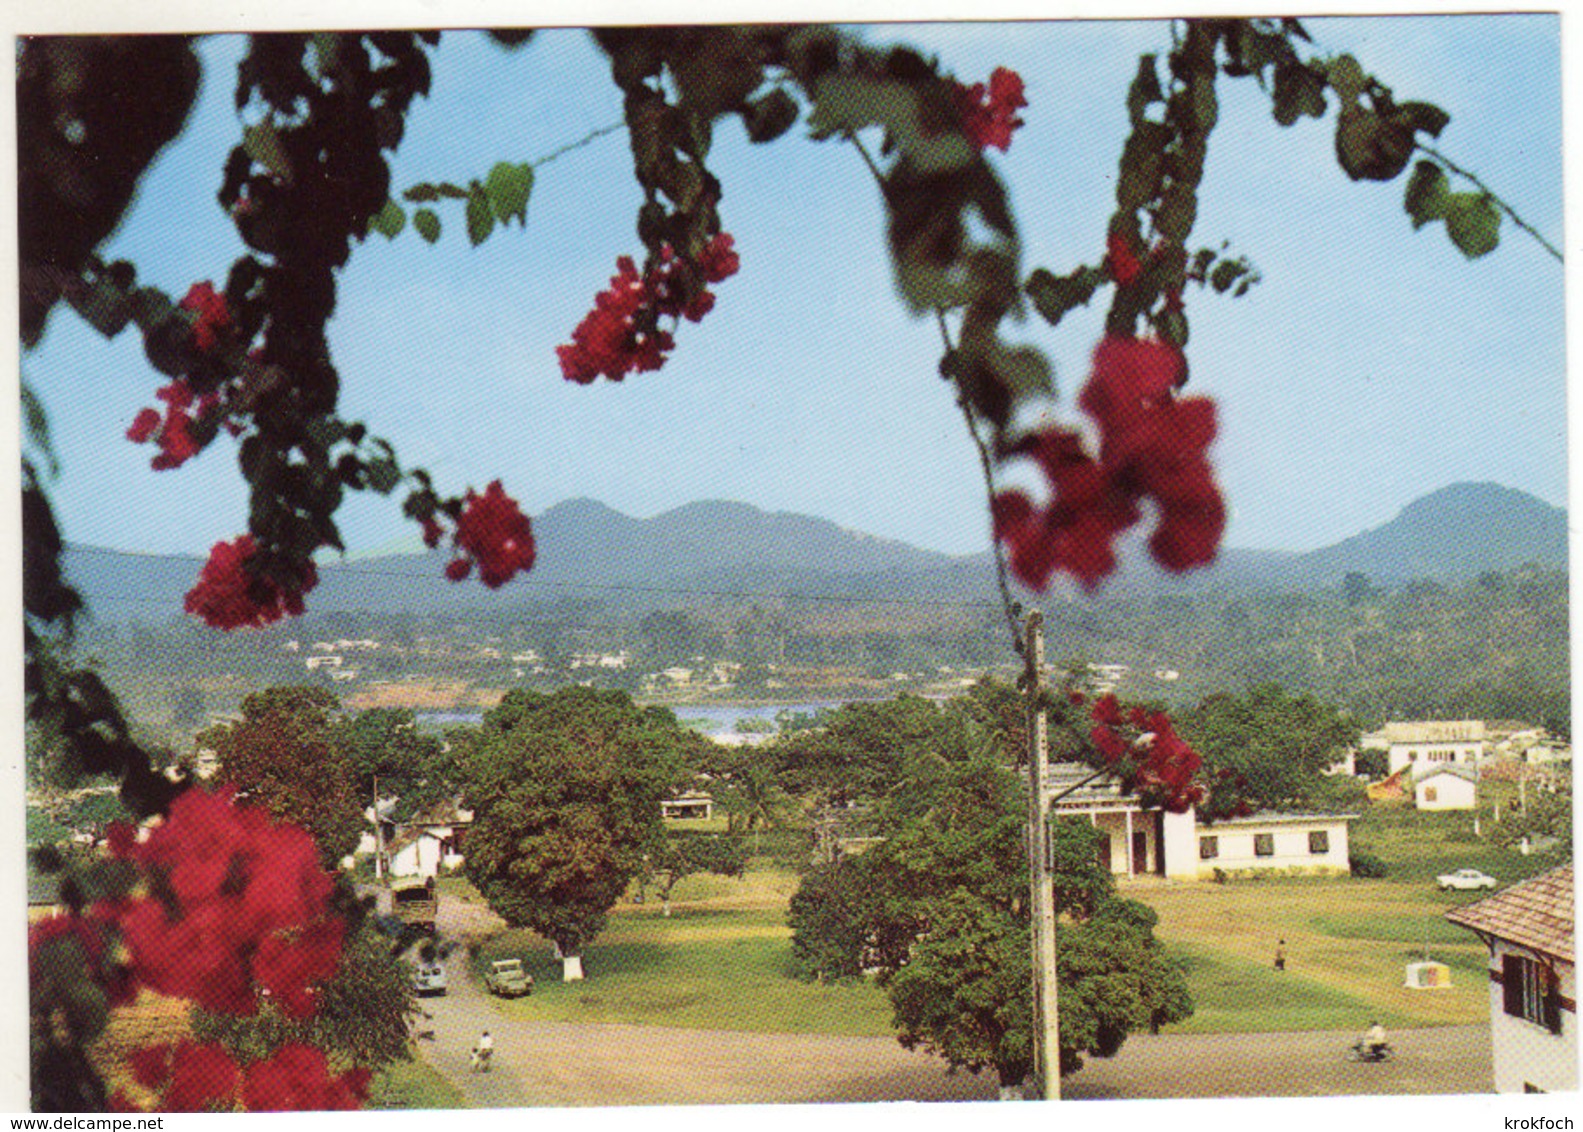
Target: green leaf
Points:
(769, 117)
(427, 224)
(383, 475)
(1225, 274)
(262, 144)
(1425, 116)
(1145, 89)
(1346, 78)
(421, 193)
(455, 192)
(1142, 164)
(389, 221)
(509, 187)
(848, 103)
(150, 308)
(480, 217)
(1426, 194)
(1053, 296)
(325, 431)
(1024, 371)
(1173, 327)
(1473, 223)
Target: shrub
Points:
(1366, 864)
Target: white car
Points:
(1465, 879)
(429, 978)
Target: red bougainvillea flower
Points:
(143, 425)
(297, 1079)
(191, 1077)
(213, 315)
(247, 908)
(989, 114)
(621, 334)
(229, 596)
(1153, 447)
(493, 533)
(1124, 265)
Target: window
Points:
(1319, 841)
(1264, 844)
(1208, 848)
(1530, 992)
(1431, 793)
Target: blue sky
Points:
(1371, 366)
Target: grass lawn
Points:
(413, 1084)
(721, 960)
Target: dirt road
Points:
(542, 1063)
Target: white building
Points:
(1530, 933)
(1140, 841)
(1450, 786)
(1433, 743)
(1305, 843)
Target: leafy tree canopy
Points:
(565, 791)
(282, 754)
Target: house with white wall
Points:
(1141, 841)
(1422, 745)
(1530, 932)
(1450, 786)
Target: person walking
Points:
(1280, 955)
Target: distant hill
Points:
(1453, 534)
(733, 551)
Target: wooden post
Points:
(1046, 1045)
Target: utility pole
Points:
(379, 836)
(1046, 1018)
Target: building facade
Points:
(1424, 745)
(1530, 932)
(1449, 787)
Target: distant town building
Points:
(1530, 932)
(1450, 786)
(1422, 745)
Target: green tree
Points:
(362, 1020)
(385, 744)
(1266, 749)
(685, 853)
(282, 754)
(939, 911)
(566, 791)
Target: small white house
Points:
(1307, 843)
(1530, 933)
(1435, 743)
(1448, 787)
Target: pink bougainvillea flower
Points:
(989, 114)
(297, 1079)
(719, 260)
(228, 596)
(143, 425)
(213, 315)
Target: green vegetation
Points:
(413, 1084)
(1420, 845)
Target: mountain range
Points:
(718, 551)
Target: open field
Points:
(413, 1084)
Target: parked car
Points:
(1465, 879)
(429, 978)
(506, 978)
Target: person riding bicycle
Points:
(1374, 1041)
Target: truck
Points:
(506, 978)
(414, 903)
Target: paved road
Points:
(545, 1063)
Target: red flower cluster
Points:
(621, 334)
(214, 317)
(248, 908)
(1163, 765)
(227, 596)
(989, 115)
(1152, 447)
(190, 1077)
(491, 532)
(1124, 265)
(173, 431)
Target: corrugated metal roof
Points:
(1536, 914)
